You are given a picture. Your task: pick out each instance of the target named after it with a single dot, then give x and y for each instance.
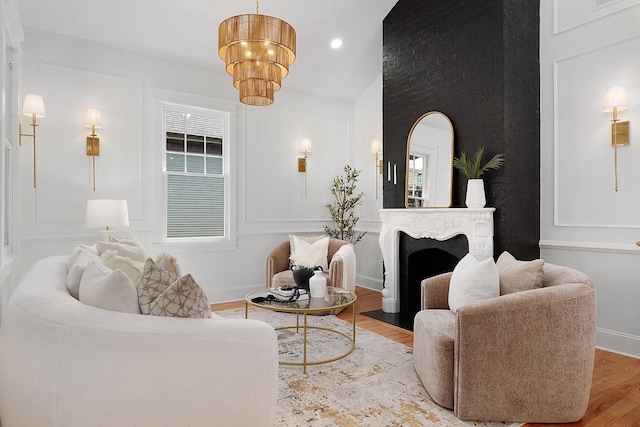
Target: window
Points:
(416, 184)
(196, 179)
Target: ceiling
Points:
(187, 31)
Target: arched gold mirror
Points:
(430, 162)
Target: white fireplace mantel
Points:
(433, 223)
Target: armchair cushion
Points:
(473, 281)
(516, 276)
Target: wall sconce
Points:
(33, 107)
(93, 120)
(376, 148)
(615, 99)
(305, 147)
(105, 214)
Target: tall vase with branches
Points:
(342, 209)
(473, 168)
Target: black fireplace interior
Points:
(417, 260)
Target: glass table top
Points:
(333, 298)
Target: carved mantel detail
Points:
(438, 224)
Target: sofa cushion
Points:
(183, 298)
(310, 254)
(109, 289)
(473, 281)
(129, 247)
(516, 276)
(131, 268)
(74, 274)
(153, 281)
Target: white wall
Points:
(267, 191)
(584, 222)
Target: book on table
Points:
(287, 292)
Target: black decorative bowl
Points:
(301, 276)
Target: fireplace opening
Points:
(422, 258)
(417, 260)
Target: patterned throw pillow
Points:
(154, 280)
(473, 281)
(183, 298)
(129, 247)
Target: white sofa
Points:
(64, 363)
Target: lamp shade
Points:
(93, 118)
(305, 145)
(615, 96)
(107, 213)
(33, 104)
(376, 146)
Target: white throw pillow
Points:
(129, 247)
(77, 251)
(74, 274)
(131, 268)
(473, 281)
(109, 289)
(310, 254)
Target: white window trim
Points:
(191, 103)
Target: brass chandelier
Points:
(258, 51)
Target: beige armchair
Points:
(522, 357)
(340, 258)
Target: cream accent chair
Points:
(340, 259)
(522, 357)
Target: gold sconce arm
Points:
(302, 161)
(615, 99)
(93, 120)
(33, 124)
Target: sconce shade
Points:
(376, 146)
(305, 145)
(257, 50)
(615, 96)
(106, 213)
(33, 104)
(93, 118)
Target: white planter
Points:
(475, 194)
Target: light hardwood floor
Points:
(615, 391)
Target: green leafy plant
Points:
(342, 209)
(472, 166)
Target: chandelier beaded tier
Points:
(258, 51)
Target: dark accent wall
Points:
(478, 63)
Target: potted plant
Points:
(342, 210)
(472, 168)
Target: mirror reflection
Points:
(430, 162)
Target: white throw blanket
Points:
(348, 256)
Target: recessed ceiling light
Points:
(336, 43)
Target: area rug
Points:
(375, 385)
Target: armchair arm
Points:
(336, 268)
(526, 356)
(434, 292)
(277, 261)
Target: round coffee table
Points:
(334, 299)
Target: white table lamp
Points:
(106, 214)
